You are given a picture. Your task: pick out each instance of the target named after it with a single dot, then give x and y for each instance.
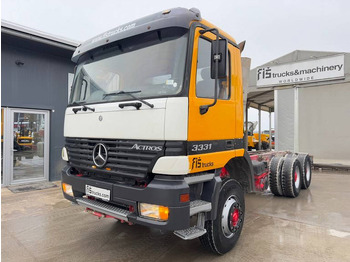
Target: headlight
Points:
(67, 189)
(154, 211)
(64, 154)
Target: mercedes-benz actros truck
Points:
(154, 131)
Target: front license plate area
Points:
(98, 192)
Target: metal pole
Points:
(296, 119)
(270, 139)
(259, 147)
(246, 126)
(275, 110)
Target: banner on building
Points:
(300, 72)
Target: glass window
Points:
(205, 85)
(153, 71)
(28, 145)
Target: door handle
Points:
(229, 144)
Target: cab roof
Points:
(176, 17)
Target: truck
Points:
(154, 131)
(253, 138)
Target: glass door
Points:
(29, 145)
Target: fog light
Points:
(154, 211)
(67, 189)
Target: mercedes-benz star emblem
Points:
(100, 155)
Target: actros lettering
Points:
(147, 148)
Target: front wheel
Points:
(223, 232)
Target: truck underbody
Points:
(185, 196)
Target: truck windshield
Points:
(153, 71)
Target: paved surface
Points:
(28, 168)
(42, 226)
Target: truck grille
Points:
(124, 158)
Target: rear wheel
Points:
(305, 163)
(223, 232)
(276, 165)
(291, 176)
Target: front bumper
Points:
(162, 190)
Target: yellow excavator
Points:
(23, 142)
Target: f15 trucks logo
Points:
(147, 147)
(115, 31)
(307, 71)
(197, 163)
(264, 73)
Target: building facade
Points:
(311, 92)
(36, 69)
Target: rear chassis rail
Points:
(264, 157)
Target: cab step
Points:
(104, 208)
(199, 206)
(190, 233)
(195, 231)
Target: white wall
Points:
(324, 123)
(284, 119)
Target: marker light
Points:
(154, 211)
(185, 197)
(67, 189)
(64, 154)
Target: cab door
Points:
(218, 124)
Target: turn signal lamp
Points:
(67, 189)
(154, 211)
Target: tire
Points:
(305, 162)
(223, 232)
(276, 165)
(291, 176)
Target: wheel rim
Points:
(308, 171)
(297, 177)
(231, 218)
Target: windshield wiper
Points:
(90, 108)
(84, 108)
(129, 93)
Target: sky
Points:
(272, 28)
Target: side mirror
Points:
(220, 57)
(218, 65)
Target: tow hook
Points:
(102, 215)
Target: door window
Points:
(205, 85)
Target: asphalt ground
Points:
(42, 226)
